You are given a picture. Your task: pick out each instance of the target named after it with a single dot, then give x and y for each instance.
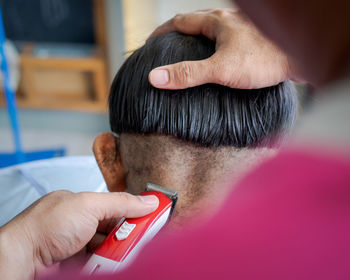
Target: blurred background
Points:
(63, 56)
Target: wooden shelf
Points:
(36, 71)
(66, 83)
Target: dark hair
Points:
(209, 115)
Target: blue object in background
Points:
(19, 156)
(12, 159)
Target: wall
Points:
(168, 8)
(115, 35)
(130, 22)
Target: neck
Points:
(203, 176)
(205, 179)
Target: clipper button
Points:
(124, 231)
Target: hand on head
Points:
(60, 225)
(244, 58)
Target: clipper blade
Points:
(173, 195)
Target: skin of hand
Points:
(244, 58)
(60, 225)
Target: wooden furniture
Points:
(68, 83)
(63, 83)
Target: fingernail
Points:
(159, 77)
(149, 199)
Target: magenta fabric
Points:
(289, 219)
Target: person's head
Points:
(190, 139)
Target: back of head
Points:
(189, 139)
(209, 115)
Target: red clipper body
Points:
(129, 236)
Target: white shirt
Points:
(22, 184)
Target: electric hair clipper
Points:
(131, 234)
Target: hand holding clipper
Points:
(131, 234)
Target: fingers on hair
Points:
(208, 115)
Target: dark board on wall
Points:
(64, 21)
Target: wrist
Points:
(16, 254)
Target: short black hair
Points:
(209, 115)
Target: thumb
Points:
(120, 204)
(182, 75)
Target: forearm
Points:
(16, 254)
